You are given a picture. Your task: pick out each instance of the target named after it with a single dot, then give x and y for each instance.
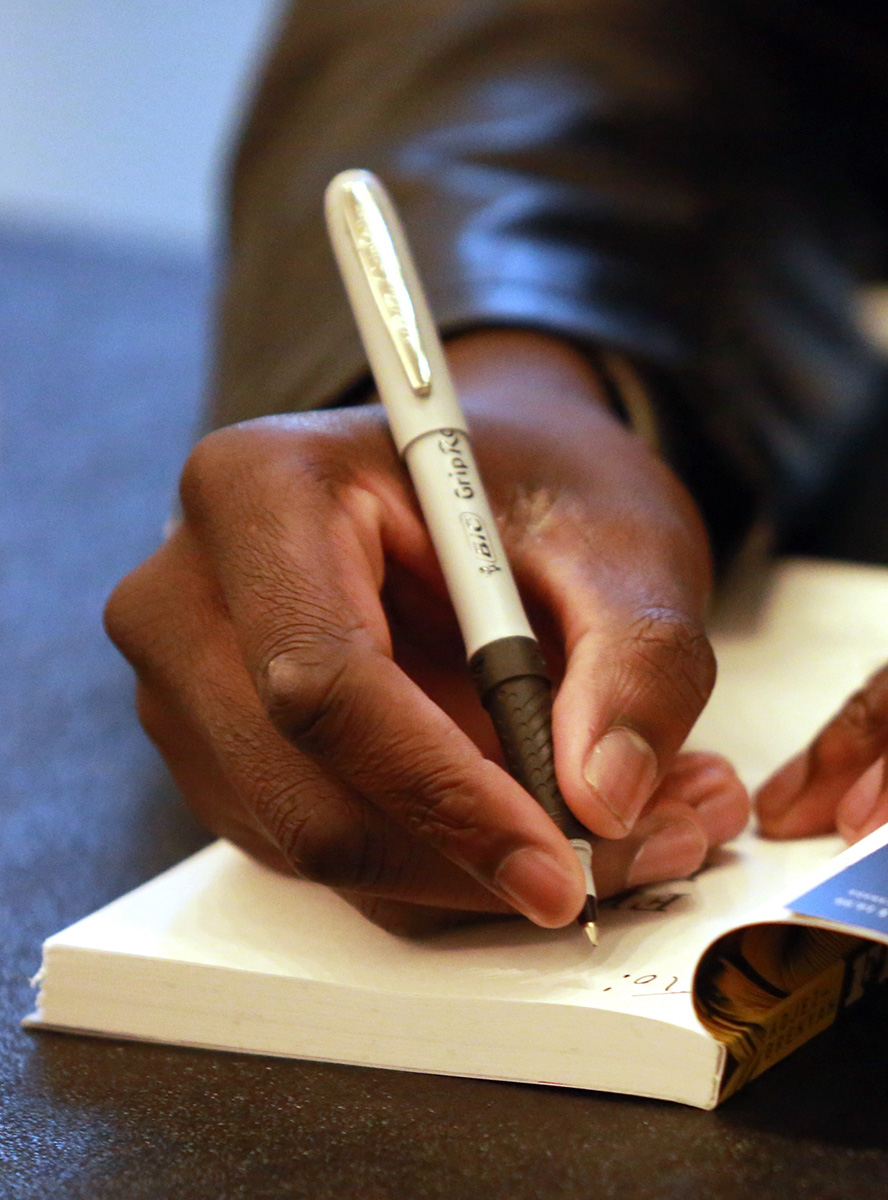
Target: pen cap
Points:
(390, 308)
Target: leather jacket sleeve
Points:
(658, 178)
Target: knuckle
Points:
(862, 716)
(670, 652)
(432, 818)
(319, 845)
(860, 727)
(258, 457)
(305, 691)
(145, 614)
(227, 465)
(867, 710)
(128, 616)
(118, 614)
(411, 920)
(206, 465)
(399, 918)
(320, 853)
(436, 808)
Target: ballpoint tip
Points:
(591, 931)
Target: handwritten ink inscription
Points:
(645, 900)
(652, 985)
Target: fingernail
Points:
(671, 852)
(537, 885)
(622, 770)
(861, 800)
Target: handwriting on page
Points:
(657, 898)
(655, 902)
(644, 904)
(649, 985)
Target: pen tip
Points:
(588, 918)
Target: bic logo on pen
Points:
(480, 542)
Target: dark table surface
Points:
(101, 353)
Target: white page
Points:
(222, 909)
(820, 632)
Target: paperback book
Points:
(697, 985)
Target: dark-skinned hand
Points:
(301, 671)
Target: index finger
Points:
(304, 599)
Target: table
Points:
(101, 363)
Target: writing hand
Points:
(839, 781)
(301, 671)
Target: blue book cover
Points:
(857, 895)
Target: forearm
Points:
(585, 169)
(545, 159)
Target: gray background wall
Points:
(113, 113)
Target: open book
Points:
(696, 986)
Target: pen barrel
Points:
(514, 685)
(466, 539)
(429, 431)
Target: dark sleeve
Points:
(639, 175)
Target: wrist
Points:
(514, 372)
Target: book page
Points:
(818, 633)
(220, 908)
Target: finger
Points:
(635, 684)
(246, 782)
(667, 843)
(313, 636)
(323, 827)
(614, 564)
(864, 807)
(200, 779)
(699, 804)
(377, 732)
(709, 784)
(803, 797)
(670, 844)
(210, 795)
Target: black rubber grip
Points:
(507, 658)
(516, 690)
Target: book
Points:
(696, 987)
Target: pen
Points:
(431, 436)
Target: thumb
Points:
(635, 683)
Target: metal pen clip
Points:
(380, 263)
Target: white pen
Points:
(430, 433)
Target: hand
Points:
(839, 781)
(301, 671)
